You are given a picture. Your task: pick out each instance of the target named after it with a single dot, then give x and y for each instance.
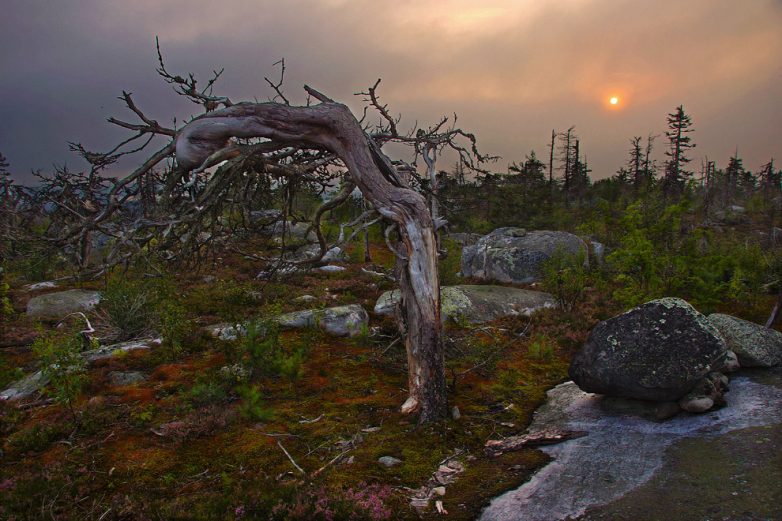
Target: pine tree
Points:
(676, 174)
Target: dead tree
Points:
(216, 156)
(428, 143)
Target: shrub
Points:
(252, 406)
(540, 348)
(63, 364)
(8, 374)
(565, 276)
(6, 309)
(207, 392)
(266, 354)
(450, 265)
(172, 324)
(127, 307)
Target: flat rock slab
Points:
(55, 306)
(754, 345)
(351, 320)
(36, 381)
(624, 450)
(477, 304)
(121, 378)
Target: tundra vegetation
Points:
(230, 218)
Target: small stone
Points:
(305, 298)
(696, 404)
(95, 402)
(120, 378)
(208, 279)
(731, 363)
(440, 491)
(389, 461)
(455, 414)
(331, 268)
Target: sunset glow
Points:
(614, 100)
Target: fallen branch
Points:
(335, 459)
(291, 458)
(545, 437)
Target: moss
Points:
(221, 461)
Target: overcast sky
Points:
(511, 69)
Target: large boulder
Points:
(477, 304)
(516, 255)
(657, 351)
(754, 345)
(55, 306)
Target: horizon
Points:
(549, 67)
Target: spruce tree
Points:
(679, 142)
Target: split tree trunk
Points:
(332, 126)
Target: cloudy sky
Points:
(511, 69)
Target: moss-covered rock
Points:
(54, 306)
(657, 351)
(754, 345)
(478, 304)
(516, 255)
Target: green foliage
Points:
(63, 364)
(173, 324)
(450, 265)
(541, 348)
(6, 309)
(8, 374)
(127, 306)
(253, 406)
(143, 417)
(36, 438)
(662, 255)
(135, 308)
(207, 392)
(565, 276)
(267, 356)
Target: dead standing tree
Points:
(275, 138)
(427, 143)
(331, 126)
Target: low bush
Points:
(566, 277)
(63, 365)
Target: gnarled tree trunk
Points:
(330, 125)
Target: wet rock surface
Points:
(515, 255)
(657, 351)
(719, 465)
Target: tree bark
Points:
(332, 126)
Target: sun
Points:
(613, 100)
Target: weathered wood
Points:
(331, 126)
(545, 437)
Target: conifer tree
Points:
(679, 142)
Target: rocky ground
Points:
(164, 431)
